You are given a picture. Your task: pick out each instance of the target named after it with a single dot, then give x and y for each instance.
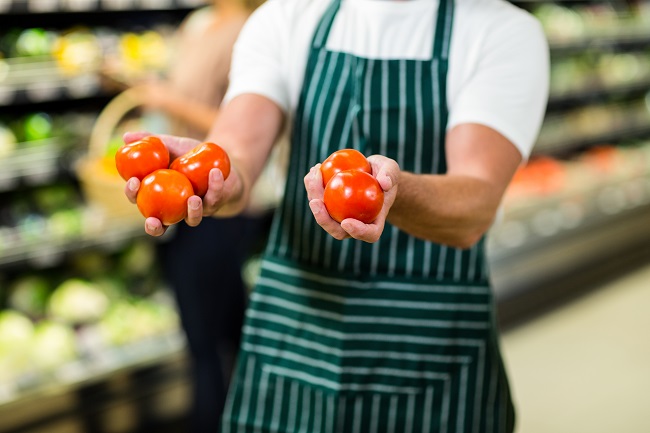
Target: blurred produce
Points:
(16, 332)
(76, 314)
(135, 320)
(53, 344)
(7, 141)
(76, 301)
(29, 294)
(77, 51)
(566, 24)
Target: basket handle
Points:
(109, 118)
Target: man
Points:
(387, 326)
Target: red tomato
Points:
(139, 158)
(353, 194)
(341, 160)
(197, 163)
(163, 194)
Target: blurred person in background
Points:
(387, 326)
(203, 265)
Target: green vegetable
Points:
(29, 294)
(78, 301)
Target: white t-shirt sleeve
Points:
(507, 89)
(259, 55)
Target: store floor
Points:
(585, 367)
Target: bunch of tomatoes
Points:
(164, 187)
(351, 191)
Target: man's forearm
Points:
(453, 210)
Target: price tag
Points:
(7, 392)
(546, 222)
(156, 4)
(6, 95)
(40, 92)
(512, 234)
(189, 3)
(635, 192)
(8, 178)
(572, 214)
(611, 200)
(117, 4)
(72, 372)
(43, 5)
(46, 256)
(5, 5)
(82, 86)
(80, 5)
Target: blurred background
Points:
(89, 333)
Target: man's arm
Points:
(247, 128)
(457, 208)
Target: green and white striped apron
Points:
(345, 336)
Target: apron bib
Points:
(345, 336)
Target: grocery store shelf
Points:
(594, 95)
(623, 42)
(93, 368)
(79, 6)
(538, 255)
(34, 163)
(47, 247)
(572, 144)
(86, 395)
(37, 80)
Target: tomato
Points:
(163, 194)
(197, 163)
(141, 157)
(353, 194)
(341, 160)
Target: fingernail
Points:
(194, 204)
(133, 184)
(149, 227)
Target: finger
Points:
(325, 220)
(194, 211)
(153, 227)
(364, 232)
(385, 180)
(178, 146)
(314, 183)
(213, 197)
(131, 189)
(130, 137)
(385, 170)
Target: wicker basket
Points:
(102, 186)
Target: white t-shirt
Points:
(498, 61)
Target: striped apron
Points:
(346, 336)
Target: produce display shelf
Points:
(48, 249)
(93, 368)
(68, 6)
(623, 42)
(33, 163)
(45, 90)
(633, 131)
(595, 94)
(92, 393)
(547, 245)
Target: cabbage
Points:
(78, 301)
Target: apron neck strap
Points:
(442, 36)
(325, 25)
